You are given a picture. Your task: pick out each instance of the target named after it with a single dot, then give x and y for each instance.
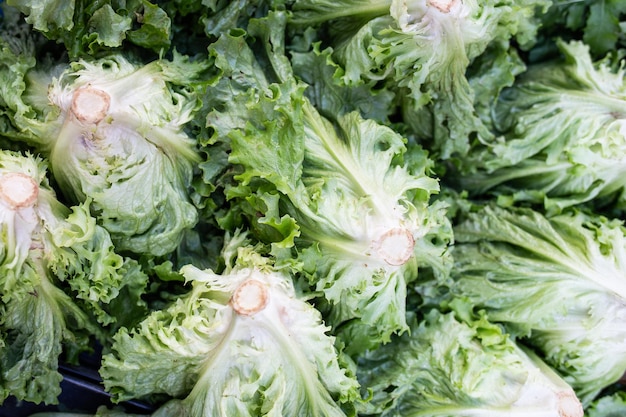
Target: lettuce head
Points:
(242, 343)
(450, 367)
(560, 135)
(113, 131)
(59, 277)
(556, 282)
(421, 50)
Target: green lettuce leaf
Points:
(239, 343)
(223, 15)
(557, 282)
(612, 405)
(561, 135)
(326, 89)
(58, 273)
(19, 47)
(114, 133)
(598, 23)
(451, 368)
(88, 28)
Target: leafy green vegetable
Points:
(613, 405)
(337, 191)
(422, 50)
(88, 28)
(599, 23)
(239, 343)
(447, 367)
(58, 273)
(113, 132)
(263, 205)
(225, 15)
(557, 282)
(562, 135)
(366, 222)
(328, 93)
(19, 47)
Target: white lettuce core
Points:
(539, 390)
(395, 246)
(250, 297)
(443, 5)
(18, 190)
(90, 105)
(569, 405)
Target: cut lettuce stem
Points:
(443, 5)
(568, 403)
(18, 190)
(90, 105)
(395, 246)
(250, 297)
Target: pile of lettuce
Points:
(314, 208)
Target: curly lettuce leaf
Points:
(58, 275)
(421, 50)
(88, 28)
(561, 130)
(40, 321)
(239, 343)
(310, 13)
(230, 104)
(611, 405)
(557, 282)
(114, 133)
(452, 368)
(598, 23)
(326, 89)
(19, 48)
(223, 16)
